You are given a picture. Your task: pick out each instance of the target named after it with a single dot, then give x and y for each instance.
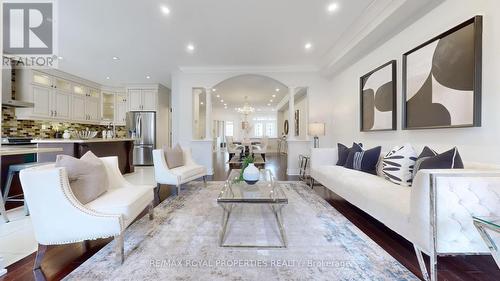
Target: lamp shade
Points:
(316, 129)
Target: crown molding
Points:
(247, 69)
(380, 21)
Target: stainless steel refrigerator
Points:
(142, 125)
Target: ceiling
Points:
(258, 90)
(223, 33)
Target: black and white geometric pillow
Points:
(398, 165)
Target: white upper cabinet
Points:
(61, 105)
(149, 99)
(120, 108)
(135, 100)
(108, 107)
(41, 98)
(41, 79)
(143, 99)
(78, 112)
(92, 109)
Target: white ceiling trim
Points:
(247, 69)
(374, 15)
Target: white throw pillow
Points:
(398, 165)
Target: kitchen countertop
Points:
(80, 141)
(19, 150)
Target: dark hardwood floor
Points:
(61, 260)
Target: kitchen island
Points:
(121, 147)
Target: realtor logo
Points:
(28, 32)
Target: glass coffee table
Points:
(493, 224)
(236, 194)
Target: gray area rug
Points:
(181, 243)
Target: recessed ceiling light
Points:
(201, 103)
(107, 78)
(214, 90)
(274, 96)
(60, 58)
(221, 100)
(277, 89)
(116, 58)
(165, 9)
(225, 104)
(190, 48)
(268, 104)
(332, 7)
(148, 77)
(270, 100)
(308, 46)
(218, 96)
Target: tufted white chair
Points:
(59, 218)
(179, 175)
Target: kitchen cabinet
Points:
(61, 104)
(108, 107)
(120, 108)
(143, 99)
(78, 112)
(41, 99)
(92, 109)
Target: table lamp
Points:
(316, 130)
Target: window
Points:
(264, 126)
(258, 130)
(271, 129)
(229, 128)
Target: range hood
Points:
(7, 99)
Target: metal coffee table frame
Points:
(274, 202)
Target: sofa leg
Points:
(205, 180)
(119, 249)
(421, 263)
(151, 211)
(311, 183)
(37, 268)
(178, 189)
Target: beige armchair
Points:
(59, 218)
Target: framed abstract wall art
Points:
(442, 80)
(378, 99)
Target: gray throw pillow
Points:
(174, 156)
(87, 176)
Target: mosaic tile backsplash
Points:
(11, 127)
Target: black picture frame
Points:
(477, 23)
(362, 79)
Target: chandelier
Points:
(246, 109)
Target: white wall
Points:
(475, 144)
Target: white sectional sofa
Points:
(435, 213)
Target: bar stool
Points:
(13, 170)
